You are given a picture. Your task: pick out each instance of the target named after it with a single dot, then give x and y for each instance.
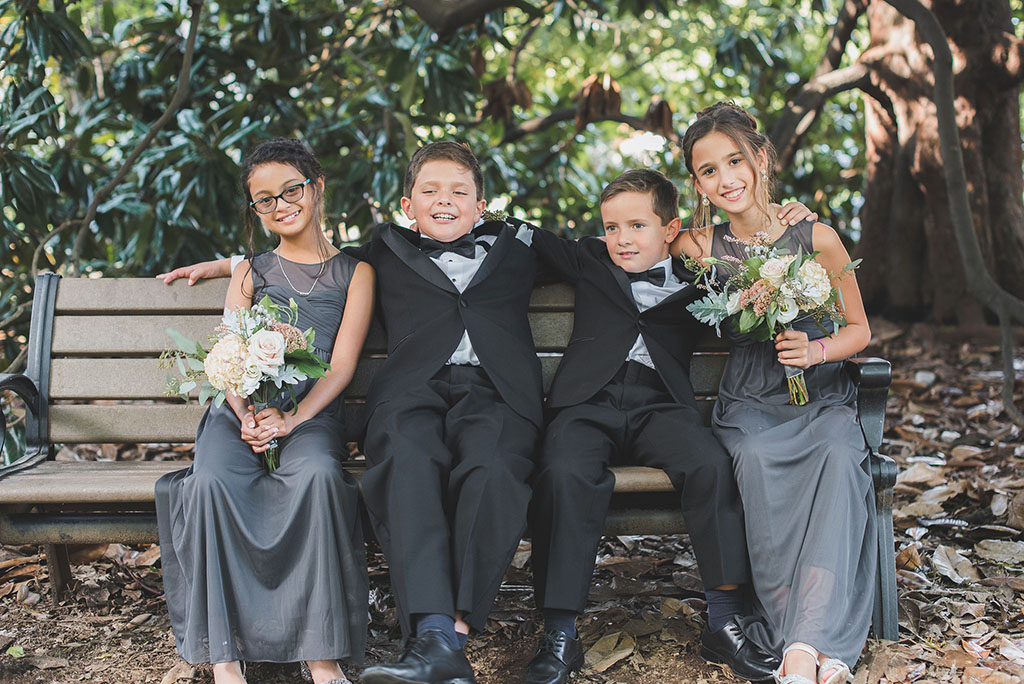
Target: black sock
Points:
(722, 605)
(562, 620)
(443, 624)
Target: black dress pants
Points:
(632, 420)
(447, 492)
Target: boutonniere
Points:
(489, 215)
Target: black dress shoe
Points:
(558, 656)
(426, 660)
(729, 646)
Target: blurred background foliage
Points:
(366, 83)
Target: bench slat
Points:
(146, 423)
(110, 482)
(136, 378)
(86, 482)
(120, 335)
(121, 295)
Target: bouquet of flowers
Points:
(256, 353)
(766, 291)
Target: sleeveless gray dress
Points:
(265, 567)
(804, 479)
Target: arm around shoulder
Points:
(695, 243)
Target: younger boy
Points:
(623, 389)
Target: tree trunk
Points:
(910, 264)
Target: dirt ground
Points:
(959, 515)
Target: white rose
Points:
(816, 285)
(788, 310)
(773, 270)
(267, 348)
(733, 304)
(251, 376)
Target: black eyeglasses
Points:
(293, 193)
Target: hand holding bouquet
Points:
(765, 292)
(256, 353)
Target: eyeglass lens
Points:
(292, 193)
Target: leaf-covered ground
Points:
(959, 514)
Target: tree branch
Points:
(176, 101)
(802, 110)
(444, 16)
(980, 282)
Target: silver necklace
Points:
(296, 290)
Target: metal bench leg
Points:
(59, 568)
(885, 623)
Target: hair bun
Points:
(729, 111)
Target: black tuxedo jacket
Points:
(607, 322)
(425, 316)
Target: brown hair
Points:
(664, 194)
(740, 126)
(457, 152)
(298, 155)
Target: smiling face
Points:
(289, 219)
(443, 200)
(636, 238)
(722, 172)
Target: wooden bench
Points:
(92, 378)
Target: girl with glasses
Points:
(271, 567)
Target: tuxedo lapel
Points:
(620, 278)
(495, 255)
(419, 262)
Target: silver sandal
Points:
(842, 672)
(794, 678)
(308, 676)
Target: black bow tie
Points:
(463, 246)
(655, 276)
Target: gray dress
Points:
(804, 478)
(265, 567)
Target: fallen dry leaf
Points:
(1011, 553)
(984, 675)
(180, 672)
(948, 562)
(609, 650)
(1012, 650)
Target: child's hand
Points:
(204, 269)
(254, 434)
(793, 213)
(280, 424)
(795, 350)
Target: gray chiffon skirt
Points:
(804, 478)
(264, 567)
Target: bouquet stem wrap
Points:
(797, 385)
(263, 399)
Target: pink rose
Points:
(267, 348)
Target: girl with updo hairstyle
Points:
(803, 471)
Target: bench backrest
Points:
(105, 385)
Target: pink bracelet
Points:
(824, 357)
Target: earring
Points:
(704, 200)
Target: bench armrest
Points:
(24, 387)
(872, 377)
